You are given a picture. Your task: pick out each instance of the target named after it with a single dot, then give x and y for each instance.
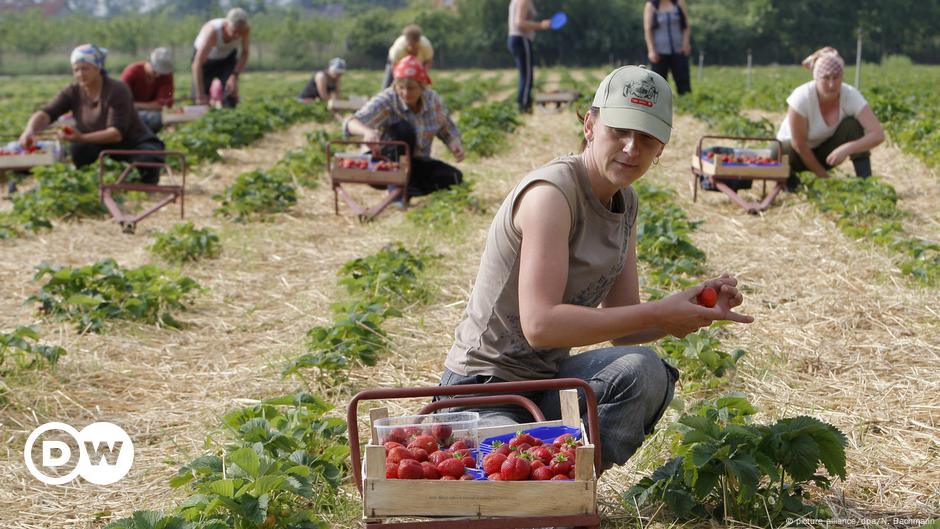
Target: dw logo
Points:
(105, 453)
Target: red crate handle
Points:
(352, 411)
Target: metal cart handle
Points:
(405, 158)
(493, 400)
(352, 411)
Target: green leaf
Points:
(224, 487)
(82, 299)
(248, 460)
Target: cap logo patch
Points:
(641, 92)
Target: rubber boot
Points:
(862, 166)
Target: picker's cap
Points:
(161, 61)
(632, 97)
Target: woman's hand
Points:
(231, 85)
(681, 313)
(653, 56)
(26, 139)
(838, 155)
(372, 135)
(456, 148)
(546, 24)
(69, 134)
(686, 49)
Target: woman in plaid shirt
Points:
(409, 111)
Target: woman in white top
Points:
(221, 51)
(522, 28)
(828, 121)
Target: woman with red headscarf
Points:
(412, 112)
(828, 121)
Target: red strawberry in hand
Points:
(707, 297)
(67, 130)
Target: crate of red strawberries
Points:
(354, 167)
(16, 156)
(538, 454)
(435, 466)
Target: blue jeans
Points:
(633, 388)
(521, 49)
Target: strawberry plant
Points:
(725, 467)
(484, 128)
(185, 243)
(699, 359)
(61, 192)
(446, 207)
(152, 520)
(256, 194)
(279, 468)
(356, 337)
(865, 208)
(91, 294)
(388, 277)
(202, 139)
(663, 242)
(306, 164)
(23, 348)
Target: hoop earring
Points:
(656, 161)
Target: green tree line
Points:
(472, 33)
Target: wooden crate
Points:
(367, 176)
(25, 161)
(718, 169)
(383, 498)
(189, 113)
(345, 105)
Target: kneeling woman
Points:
(411, 112)
(105, 117)
(828, 121)
(559, 270)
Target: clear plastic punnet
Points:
(446, 429)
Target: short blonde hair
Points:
(237, 16)
(412, 33)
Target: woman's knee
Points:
(849, 129)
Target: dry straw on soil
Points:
(841, 334)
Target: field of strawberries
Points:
(269, 456)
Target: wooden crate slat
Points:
(396, 497)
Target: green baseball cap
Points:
(632, 97)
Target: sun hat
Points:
(632, 97)
(161, 61)
(237, 16)
(411, 68)
(89, 53)
(337, 65)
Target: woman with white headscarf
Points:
(105, 117)
(828, 121)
